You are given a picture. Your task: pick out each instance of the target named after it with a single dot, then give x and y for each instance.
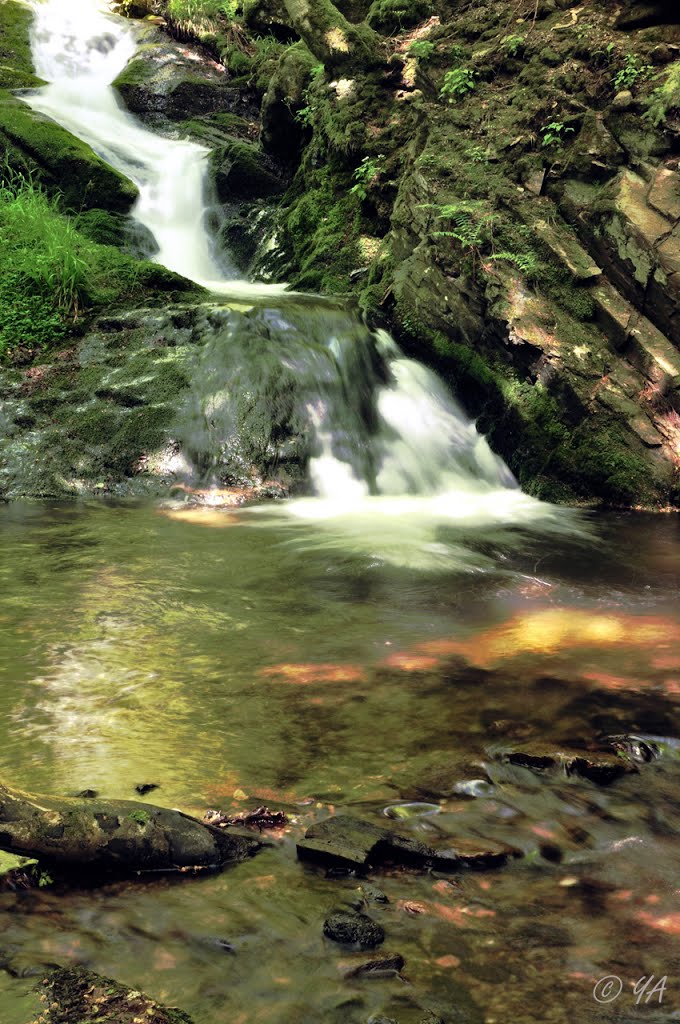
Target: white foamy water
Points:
(385, 482)
(79, 47)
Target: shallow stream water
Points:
(196, 649)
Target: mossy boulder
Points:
(242, 170)
(162, 79)
(16, 63)
(391, 16)
(75, 994)
(64, 163)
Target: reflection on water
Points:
(140, 647)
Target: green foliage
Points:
(458, 82)
(52, 271)
(421, 48)
(200, 10)
(477, 154)
(41, 245)
(141, 817)
(391, 16)
(665, 97)
(632, 71)
(554, 132)
(513, 45)
(477, 230)
(366, 175)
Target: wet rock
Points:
(351, 844)
(88, 794)
(242, 170)
(353, 929)
(76, 994)
(177, 82)
(146, 787)
(385, 966)
(602, 767)
(373, 895)
(637, 748)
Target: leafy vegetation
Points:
(52, 271)
(366, 175)
(422, 49)
(554, 133)
(458, 82)
(513, 45)
(664, 98)
(190, 10)
(632, 71)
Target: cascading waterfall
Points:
(405, 451)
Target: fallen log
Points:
(95, 836)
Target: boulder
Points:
(353, 929)
(347, 843)
(175, 82)
(60, 160)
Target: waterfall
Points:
(387, 439)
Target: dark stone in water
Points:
(371, 894)
(353, 929)
(351, 844)
(600, 766)
(381, 967)
(146, 787)
(88, 794)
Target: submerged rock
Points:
(351, 844)
(385, 966)
(353, 929)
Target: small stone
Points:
(88, 794)
(663, 54)
(371, 894)
(623, 100)
(353, 929)
(381, 967)
(146, 787)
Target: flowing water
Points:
(389, 639)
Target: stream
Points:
(378, 646)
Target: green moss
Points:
(16, 63)
(61, 160)
(215, 129)
(240, 170)
(391, 16)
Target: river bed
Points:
(199, 649)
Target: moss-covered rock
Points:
(73, 994)
(391, 16)
(242, 170)
(162, 79)
(60, 160)
(16, 63)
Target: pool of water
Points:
(233, 659)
